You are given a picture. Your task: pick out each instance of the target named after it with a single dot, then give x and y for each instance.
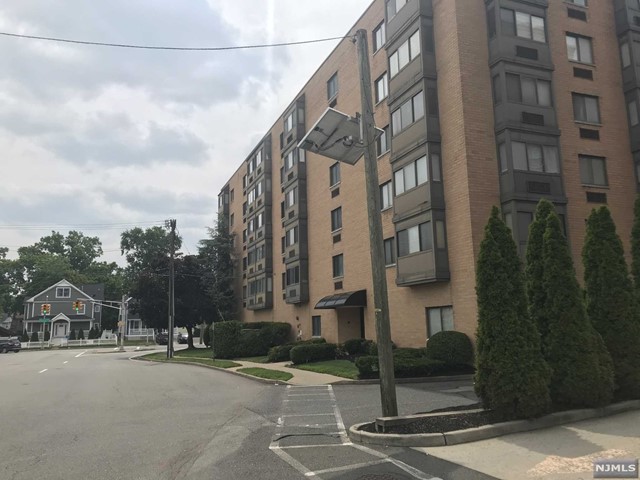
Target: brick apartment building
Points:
(484, 102)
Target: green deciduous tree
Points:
(635, 247)
(511, 374)
(581, 367)
(611, 302)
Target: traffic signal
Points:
(42, 309)
(45, 309)
(78, 306)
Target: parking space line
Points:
(316, 446)
(66, 361)
(42, 371)
(354, 466)
(80, 354)
(308, 414)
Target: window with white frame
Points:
(418, 238)
(258, 158)
(580, 3)
(382, 87)
(288, 123)
(260, 220)
(534, 157)
(405, 53)
(289, 160)
(439, 319)
(291, 236)
(593, 171)
(63, 292)
(382, 142)
(523, 25)
(409, 112)
(379, 36)
(291, 197)
(411, 175)
(579, 48)
(532, 91)
(332, 86)
(386, 195)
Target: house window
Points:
(288, 123)
(522, 25)
(390, 251)
(625, 54)
(336, 219)
(293, 276)
(411, 176)
(408, 113)
(405, 53)
(382, 142)
(633, 113)
(332, 86)
(291, 236)
(586, 108)
(338, 266)
(535, 158)
(593, 171)
(579, 48)
(379, 37)
(439, 319)
(394, 6)
(63, 292)
(316, 326)
(382, 88)
(334, 174)
(415, 239)
(386, 196)
(531, 91)
(96, 308)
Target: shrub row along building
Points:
(483, 102)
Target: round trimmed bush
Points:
(357, 346)
(314, 352)
(453, 348)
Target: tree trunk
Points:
(190, 336)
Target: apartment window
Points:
(316, 326)
(586, 108)
(581, 3)
(415, 239)
(293, 276)
(231, 195)
(390, 251)
(288, 123)
(579, 48)
(379, 37)
(522, 25)
(332, 86)
(231, 220)
(258, 158)
(244, 181)
(289, 160)
(382, 88)
(63, 292)
(386, 196)
(409, 50)
(382, 142)
(394, 6)
(412, 175)
(408, 113)
(625, 54)
(334, 174)
(593, 171)
(251, 226)
(633, 113)
(260, 220)
(436, 175)
(531, 91)
(291, 236)
(291, 197)
(491, 22)
(497, 89)
(535, 158)
(336, 219)
(338, 266)
(502, 157)
(439, 319)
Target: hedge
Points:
(282, 353)
(453, 348)
(357, 346)
(313, 352)
(373, 348)
(237, 339)
(404, 367)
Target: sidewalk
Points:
(300, 377)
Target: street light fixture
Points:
(345, 139)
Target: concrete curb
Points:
(374, 381)
(211, 367)
(486, 431)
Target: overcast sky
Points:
(97, 135)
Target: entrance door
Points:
(61, 329)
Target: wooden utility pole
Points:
(380, 298)
(172, 310)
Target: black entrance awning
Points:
(346, 299)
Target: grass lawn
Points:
(162, 357)
(194, 353)
(339, 368)
(254, 359)
(266, 373)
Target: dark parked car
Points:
(10, 345)
(162, 338)
(183, 338)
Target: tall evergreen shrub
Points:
(511, 374)
(611, 303)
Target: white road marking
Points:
(80, 354)
(353, 466)
(414, 472)
(42, 371)
(334, 403)
(66, 361)
(316, 446)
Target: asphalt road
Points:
(73, 415)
